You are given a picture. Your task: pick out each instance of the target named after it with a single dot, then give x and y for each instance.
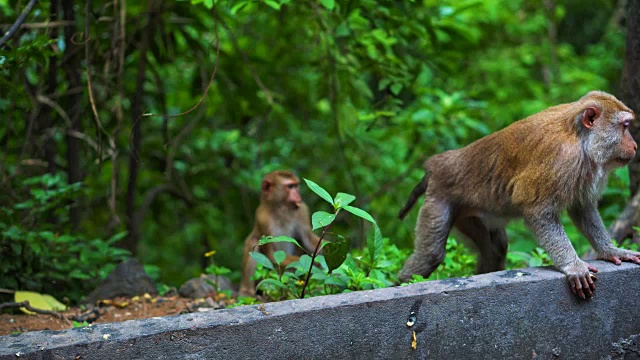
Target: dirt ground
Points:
(119, 309)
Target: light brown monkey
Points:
(281, 213)
(535, 168)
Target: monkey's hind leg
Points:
(432, 229)
(491, 244)
(247, 286)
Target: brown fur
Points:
(281, 213)
(550, 161)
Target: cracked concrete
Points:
(515, 314)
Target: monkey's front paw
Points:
(617, 256)
(580, 279)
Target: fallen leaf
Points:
(414, 341)
(38, 301)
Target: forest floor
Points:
(120, 309)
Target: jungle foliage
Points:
(104, 153)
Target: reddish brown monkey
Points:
(281, 213)
(535, 168)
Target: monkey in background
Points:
(535, 168)
(281, 213)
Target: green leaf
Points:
(319, 191)
(305, 261)
(273, 4)
(221, 270)
(342, 30)
(117, 237)
(320, 219)
(396, 88)
(329, 4)
(271, 282)
(78, 274)
(534, 262)
(374, 245)
(262, 259)
(322, 261)
(334, 280)
(360, 213)
(272, 239)
(24, 205)
(208, 4)
(336, 252)
(238, 6)
(279, 256)
(343, 199)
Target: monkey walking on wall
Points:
(535, 168)
(281, 213)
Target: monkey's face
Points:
(291, 194)
(280, 189)
(626, 148)
(611, 140)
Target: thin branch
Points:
(313, 258)
(63, 114)
(16, 25)
(25, 304)
(92, 143)
(41, 25)
(622, 228)
(204, 95)
(87, 55)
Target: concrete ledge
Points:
(524, 314)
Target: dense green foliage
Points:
(37, 258)
(351, 94)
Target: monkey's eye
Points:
(292, 186)
(626, 124)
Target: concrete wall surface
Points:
(514, 314)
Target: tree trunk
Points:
(630, 85)
(45, 122)
(133, 227)
(71, 63)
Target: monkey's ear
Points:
(589, 116)
(266, 185)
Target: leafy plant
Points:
(214, 269)
(77, 324)
(38, 257)
(536, 257)
(334, 252)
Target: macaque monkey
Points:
(535, 168)
(281, 213)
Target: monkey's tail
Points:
(417, 191)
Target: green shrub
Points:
(40, 255)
